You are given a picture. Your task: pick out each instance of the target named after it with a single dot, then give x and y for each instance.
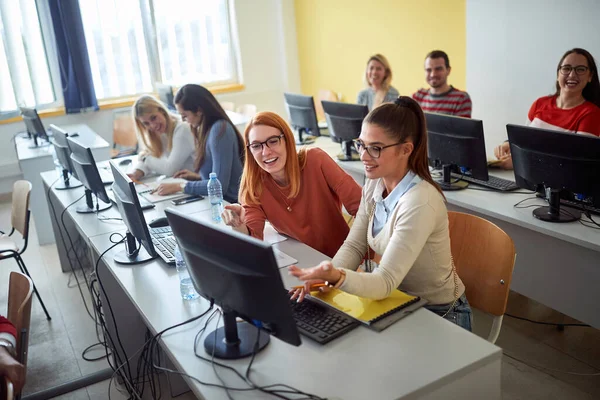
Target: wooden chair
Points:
(227, 105)
(323, 94)
(6, 389)
(20, 214)
(248, 110)
(484, 256)
(125, 141)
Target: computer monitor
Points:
(303, 117)
(245, 283)
(457, 144)
(86, 171)
(138, 242)
(555, 162)
(165, 94)
(63, 155)
(344, 121)
(34, 126)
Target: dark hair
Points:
(404, 120)
(439, 54)
(196, 98)
(591, 91)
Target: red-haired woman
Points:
(402, 217)
(299, 192)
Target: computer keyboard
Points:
(164, 243)
(320, 323)
(503, 185)
(580, 206)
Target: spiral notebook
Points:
(370, 312)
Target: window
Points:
(25, 76)
(134, 43)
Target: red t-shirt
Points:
(585, 118)
(7, 327)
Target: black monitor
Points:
(457, 145)
(63, 155)
(34, 126)
(303, 117)
(138, 242)
(86, 171)
(344, 121)
(556, 162)
(245, 283)
(165, 94)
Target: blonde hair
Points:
(147, 104)
(387, 80)
(253, 175)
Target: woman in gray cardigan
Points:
(378, 79)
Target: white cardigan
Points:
(414, 244)
(181, 155)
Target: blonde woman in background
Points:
(168, 142)
(378, 78)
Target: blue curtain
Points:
(74, 63)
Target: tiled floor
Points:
(56, 346)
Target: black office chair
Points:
(344, 121)
(20, 222)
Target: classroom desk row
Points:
(420, 357)
(557, 265)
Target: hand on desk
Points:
(136, 175)
(502, 153)
(187, 175)
(235, 216)
(167, 188)
(324, 272)
(12, 369)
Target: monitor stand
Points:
(348, 153)
(133, 253)
(233, 340)
(89, 208)
(552, 212)
(300, 141)
(67, 182)
(446, 182)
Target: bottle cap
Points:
(212, 175)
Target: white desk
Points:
(557, 265)
(34, 161)
(420, 357)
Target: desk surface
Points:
(417, 354)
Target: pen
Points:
(138, 182)
(312, 287)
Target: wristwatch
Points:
(9, 347)
(182, 186)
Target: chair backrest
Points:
(20, 288)
(7, 389)
(227, 105)
(324, 94)
(20, 206)
(248, 110)
(124, 133)
(484, 256)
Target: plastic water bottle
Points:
(186, 287)
(215, 196)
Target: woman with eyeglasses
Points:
(299, 192)
(574, 107)
(402, 217)
(219, 147)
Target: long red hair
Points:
(253, 175)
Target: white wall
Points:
(269, 63)
(513, 49)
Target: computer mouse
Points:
(159, 222)
(124, 162)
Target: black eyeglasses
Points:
(272, 142)
(579, 69)
(373, 151)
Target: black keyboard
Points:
(320, 323)
(164, 243)
(503, 185)
(579, 205)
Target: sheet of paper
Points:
(271, 236)
(283, 260)
(145, 189)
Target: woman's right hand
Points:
(136, 175)
(187, 175)
(502, 153)
(234, 215)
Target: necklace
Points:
(289, 208)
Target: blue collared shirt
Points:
(385, 207)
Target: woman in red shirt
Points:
(575, 107)
(299, 192)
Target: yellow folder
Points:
(366, 310)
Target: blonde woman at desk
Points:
(219, 145)
(168, 141)
(402, 217)
(378, 79)
(574, 107)
(299, 192)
